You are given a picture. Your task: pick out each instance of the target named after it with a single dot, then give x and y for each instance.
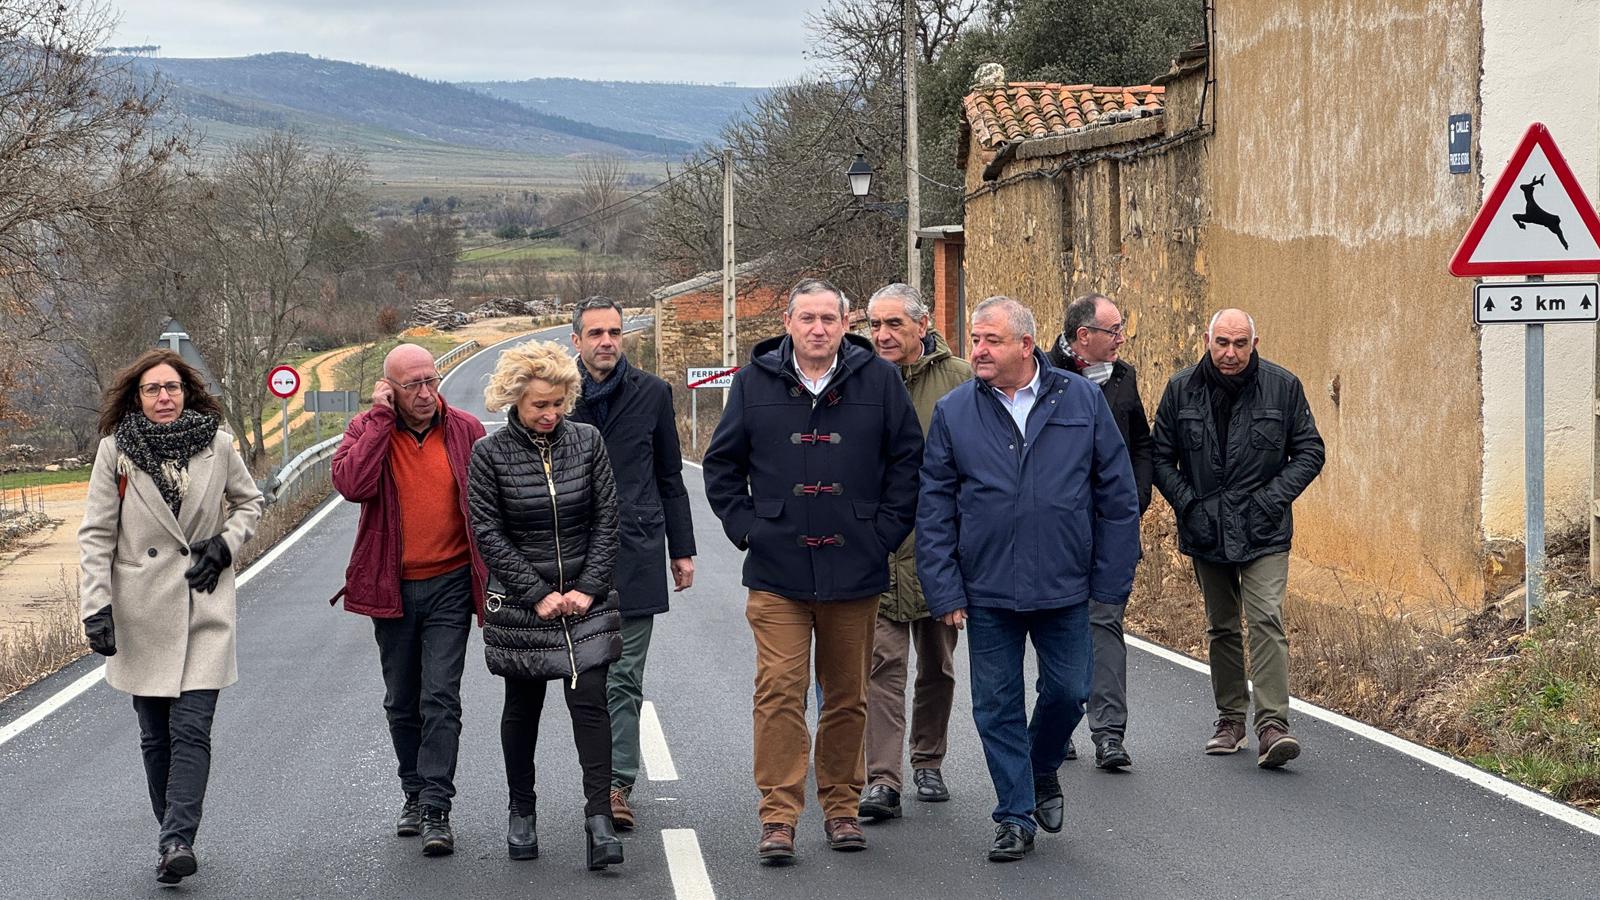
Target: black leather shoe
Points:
(1072, 749)
(410, 822)
(1011, 842)
(437, 837)
(880, 802)
(522, 836)
(1110, 754)
(605, 848)
(177, 863)
(1049, 805)
(930, 786)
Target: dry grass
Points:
(44, 647)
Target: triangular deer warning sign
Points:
(1545, 227)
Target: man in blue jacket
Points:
(1027, 519)
(813, 472)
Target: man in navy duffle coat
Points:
(1028, 514)
(813, 472)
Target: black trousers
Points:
(175, 739)
(591, 731)
(422, 654)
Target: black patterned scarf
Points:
(597, 395)
(163, 451)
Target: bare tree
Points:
(272, 224)
(81, 163)
(600, 189)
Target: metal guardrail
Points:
(314, 465)
(455, 355)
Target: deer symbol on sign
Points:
(1536, 215)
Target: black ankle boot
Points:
(522, 836)
(605, 848)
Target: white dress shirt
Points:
(1020, 405)
(821, 384)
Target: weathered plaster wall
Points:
(1333, 218)
(1541, 63)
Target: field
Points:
(405, 169)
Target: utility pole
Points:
(910, 18)
(730, 298)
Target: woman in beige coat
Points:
(170, 503)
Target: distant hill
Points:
(686, 112)
(381, 107)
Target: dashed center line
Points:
(653, 746)
(687, 866)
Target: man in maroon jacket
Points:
(416, 572)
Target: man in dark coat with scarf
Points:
(633, 410)
(1088, 344)
(1235, 444)
(813, 471)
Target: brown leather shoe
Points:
(844, 833)
(777, 843)
(621, 813)
(1275, 746)
(1230, 738)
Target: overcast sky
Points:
(745, 41)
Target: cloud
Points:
(667, 40)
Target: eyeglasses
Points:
(1114, 331)
(154, 389)
(431, 384)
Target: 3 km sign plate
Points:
(1536, 302)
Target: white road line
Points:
(61, 698)
(64, 696)
(1494, 784)
(653, 746)
(688, 867)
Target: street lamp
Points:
(860, 175)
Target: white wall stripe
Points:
(653, 746)
(687, 865)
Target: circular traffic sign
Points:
(283, 382)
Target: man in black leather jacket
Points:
(1235, 444)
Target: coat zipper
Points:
(561, 577)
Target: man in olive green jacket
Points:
(900, 334)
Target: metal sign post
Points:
(1533, 463)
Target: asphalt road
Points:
(303, 791)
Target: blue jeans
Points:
(1015, 747)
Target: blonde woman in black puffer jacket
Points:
(544, 512)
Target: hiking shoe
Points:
(776, 846)
(1230, 738)
(1276, 746)
(621, 812)
(409, 824)
(844, 833)
(438, 838)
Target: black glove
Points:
(101, 632)
(211, 556)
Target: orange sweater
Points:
(433, 530)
